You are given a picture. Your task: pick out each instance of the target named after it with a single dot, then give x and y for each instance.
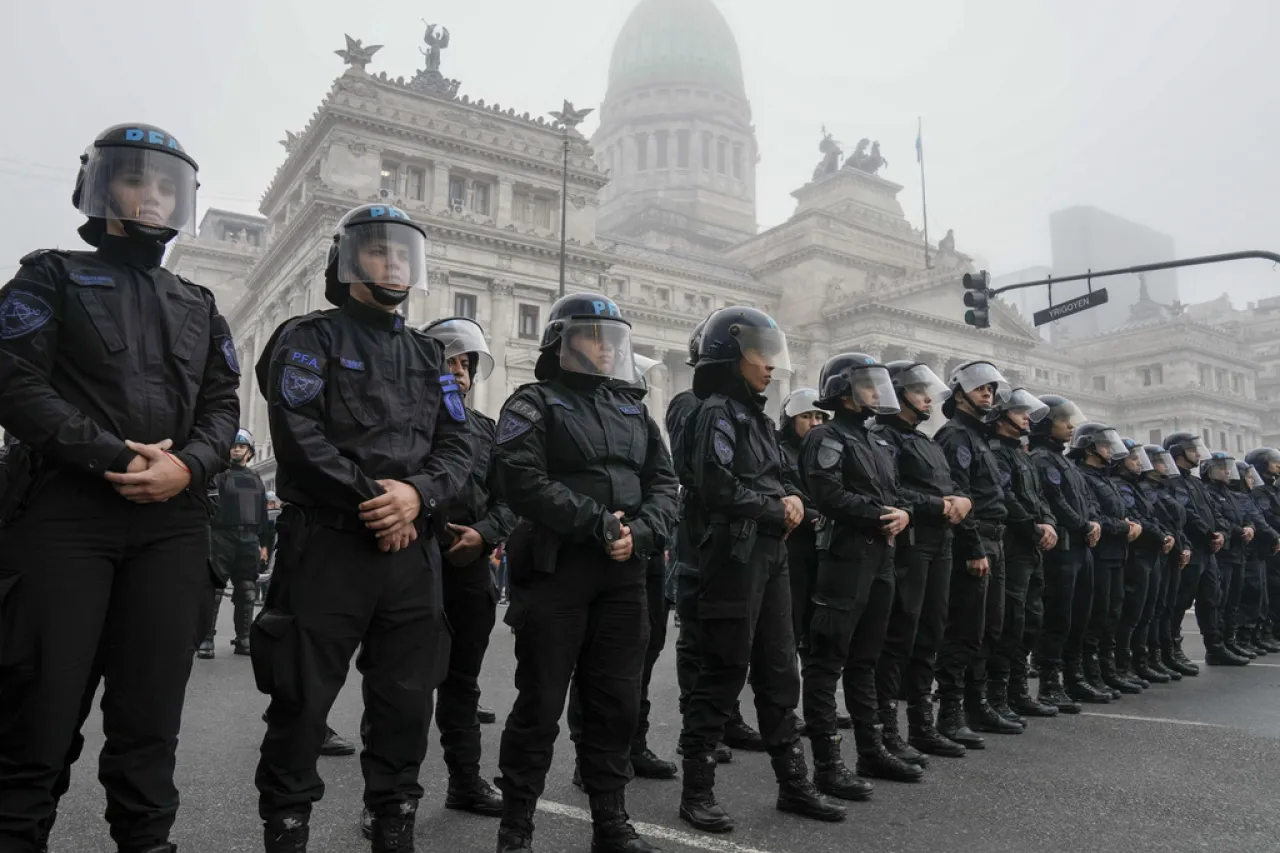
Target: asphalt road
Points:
(1184, 767)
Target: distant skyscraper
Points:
(1086, 238)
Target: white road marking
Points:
(1251, 663)
(1153, 720)
(652, 830)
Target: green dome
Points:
(674, 42)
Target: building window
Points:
(1042, 374)
(464, 305)
(722, 153)
(1064, 379)
(1206, 376)
(1208, 436)
(416, 183)
(1239, 444)
(737, 162)
(1151, 375)
(660, 139)
(390, 171)
(642, 152)
(529, 321)
(1099, 383)
(706, 151)
(1154, 437)
(682, 149)
(480, 197)
(1222, 440)
(1235, 382)
(457, 192)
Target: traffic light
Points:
(976, 298)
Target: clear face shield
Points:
(1138, 462)
(389, 254)
(800, 401)
(1109, 446)
(643, 365)
(1253, 478)
(142, 185)
(1196, 453)
(460, 337)
(1219, 469)
(923, 388)
(597, 347)
(764, 348)
(1022, 400)
(980, 374)
(1162, 462)
(872, 389)
(1068, 413)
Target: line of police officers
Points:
(845, 545)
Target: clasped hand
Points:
(621, 549)
(392, 514)
(153, 476)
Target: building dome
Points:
(676, 42)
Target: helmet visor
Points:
(142, 185)
(643, 365)
(800, 401)
(1108, 444)
(1253, 477)
(1198, 447)
(1022, 400)
(1139, 454)
(390, 254)
(597, 347)
(1219, 469)
(922, 379)
(1162, 462)
(764, 347)
(461, 336)
(871, 388)
(978, 375)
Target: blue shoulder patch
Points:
(1055, 476)
(22, 313)
(723, 449)
(305, 360)
(629, 409)
(964, 457)
(1006, 476)
(453, 398)
(298, 387)
(511, 427)
(87, 280)
(228, 348)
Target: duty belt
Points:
(350, 522)
(990, 529)
(763, 528)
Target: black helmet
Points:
(594, 316)
(143, 156)
(1101, 439)
(1161, 461)
(380, 224)
(913, 374)
(1262, 459)
(853, 374)
(1250, 477)
(1180, 443)
(244, 438)
(736, 331)
(1019, 399)
(695, 341)
(1219, 461)
(463, 336)
(1138, 453)
(1060, 409)
(970, 377)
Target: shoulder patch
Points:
(964, 457)
(298, 387)
(22, 313)
(85, 279)
(453, 398)
(629, 409)
(304, 360)
(1006, 476)
(1054, 476)
(511, 427)
(829, 453)
(351, 363)
(524, 409)
(228, 347)
(723, 447)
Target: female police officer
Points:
(585, 467)
(120, 379)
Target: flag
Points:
(920, 144)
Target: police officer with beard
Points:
(119, 386)
(976, 606)
(372, 445)
(1148, 645)
(241, 533)
(1199, 580)
(922, 566)
(848, 473)
(1030, 531)
(800, 414)
(584, 466)
(1220, 474)
(745, 507)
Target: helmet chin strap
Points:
(983, 411)
(388, 296)
(138, 231)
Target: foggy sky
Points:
(1160, 111)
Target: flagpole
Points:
(924, 198)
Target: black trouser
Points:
(93, 586)
(1067, 597)
(587, 622)
(1006, 652)
(917, 618)
(237, 554)
(659, 613)
(1108, 599)
(1034, 623)
(1272, 609)
(1146, 633)
(333, 592)
(1253, 591)
(743, 625)
(975, 619)
(1199, 583)
(854, 596)
(1082, 607)
(1138, 569)
(1231, 565)
(1168, 617)
(470, 604)
(802, 565)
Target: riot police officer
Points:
(847, 472)
(1246, 584)
(976, 605)
(1198, 581)
(1095, 448)
(1031, 530)
(745, 507)
(922, 566)
(1221, 476)
(119, 386)
(1149, 661)
(800, 414)
(1265, 461)
(241, 533)
(584, 466)
(1068, 569)
(372, 445)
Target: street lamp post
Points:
(569, 119)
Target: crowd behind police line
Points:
(844, 546)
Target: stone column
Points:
(438, 294)
(659, 387)
(440, 188)
(493, 392)
(505, 196)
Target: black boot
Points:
(796, 794)
(485, 716)
(1021, 701)
(1229, 643)
(366, 823)
(843, 720)
(515, 834)
(159, 848)
(723, 754)
(286, 834)
(1219, 655)
(1263, 640)
(611, 829)
(1052, 695)
(1186, 666)
(205, 650)
(982, 717)
(739, 735)
(1141, 666)
(1079, 689)
(831, 776)
(647, 765)
(892, 737)
(1093, 675)
(393, 828)
(1124, 669)
(1155, 660)
(334, 744)
(1169, 657)
(698, 806)
(469, 793)
(1111, 676)
(877, 762)
(924, 736)
(577, 776)
(998, 699)
(1244, 639)
(952, 724)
